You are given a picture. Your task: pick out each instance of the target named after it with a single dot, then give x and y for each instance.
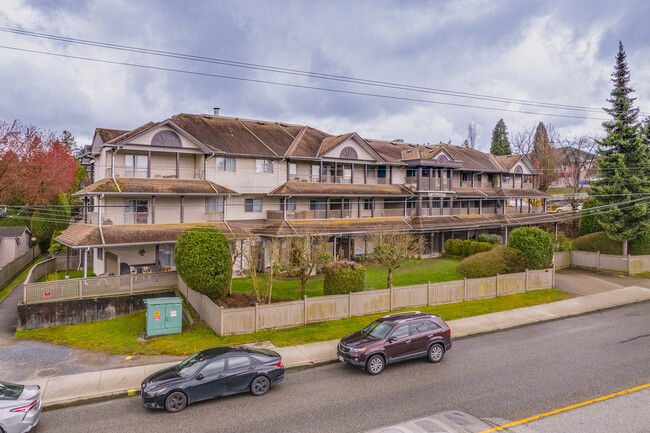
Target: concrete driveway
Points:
(582, 282)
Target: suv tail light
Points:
(25, 408)
(449, 332)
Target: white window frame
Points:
(293, 169)
(134, 167)
(263, 166)
(252, 205)
(226, 164)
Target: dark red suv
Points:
(396, 337)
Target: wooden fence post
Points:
(390, 298)
(496, 291)
(349, 304)
(428, 293)
(256, 310)
(597, 260)
(220, 321)
(464, 289)
(553, 277)
(304, 309)
(81, 295)
(527, 283)
(131, 284)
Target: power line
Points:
(297, 72)
(297, 86)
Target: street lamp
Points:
(33, 239)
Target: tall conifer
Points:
(500, 144)
(622, 168)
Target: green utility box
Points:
(164, 316)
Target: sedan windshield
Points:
(191, 364)
(10, 391)
(377, 329)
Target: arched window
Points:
(166, 139)
(348, 152)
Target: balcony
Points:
(157, 173)
(322, 214)
(429, 184)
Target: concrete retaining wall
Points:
(44, 315)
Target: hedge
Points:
(536, 245)
(453, 246)
(459, 247)
(500, 260)
(490, 239)
(464, 251)
(598, 241)
(203, 260)
(344, 277)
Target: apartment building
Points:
(259, 179)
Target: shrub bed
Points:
(344, 277)
(459, 247)
(500, 260)
(598, 241)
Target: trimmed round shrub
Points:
(473, 248)
(203, 260)
(344, 277)
(464, 249)
(500, 260)
(448, 246)
(536, 245)
(588, 220)
(484, 247)
(598, 241)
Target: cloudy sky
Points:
(539, 52)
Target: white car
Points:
(20, 407)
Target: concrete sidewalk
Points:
(93, 386)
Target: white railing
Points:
(93, 287)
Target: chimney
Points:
(216, 111)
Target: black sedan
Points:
(212, 373)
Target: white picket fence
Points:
(606, 262)
(230, 321)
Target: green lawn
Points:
(11, 286)
(120, 335)
(410, 272)
(73, 274)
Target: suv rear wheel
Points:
(375, 365)
(436, 352)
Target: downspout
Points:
(205, 165)
(113, 168)
(99, 222)
(225, 202)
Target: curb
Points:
(133, 392)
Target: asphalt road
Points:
(509, 375)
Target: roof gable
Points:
(349, 146)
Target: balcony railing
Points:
(156, 173)
(429, 184)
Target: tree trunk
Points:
(390, 277)
(303, 284)
(625, 248)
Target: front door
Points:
(398, 344)
(210, 382)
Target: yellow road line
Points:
(532, 418)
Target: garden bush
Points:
(490, 239)
(640, 246)
(588, 220)
(536, 245)
(344, 277)
(464, 250)
(598, 241)
(454, 246)
(499, 260)
(203, 260)
(473, 248)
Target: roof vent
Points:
(216, 110)
(398, 140)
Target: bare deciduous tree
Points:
(237, 252)
(577, 158)
(253, 254)
(522, 141)
(393, 247)
(307, 254)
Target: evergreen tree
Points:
(500, 144)
(622, 168)
(543, 157)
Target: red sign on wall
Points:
(156, 316)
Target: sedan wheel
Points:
(375, 365)
(175, 402)
(436, 353)
(260, 385)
